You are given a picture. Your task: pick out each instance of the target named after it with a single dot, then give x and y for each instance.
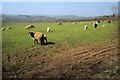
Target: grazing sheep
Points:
(32, 26)
(108, 21)
(59, 23)
(48, 29)
(2, 29)
(9, 27)
(95, 25)
(29, 26)
(38, 36)
(86, 27)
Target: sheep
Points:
(108, 21)
(2, 29)
(29, 26)
(86, 27)
(59, 23)
(48, 29)
(98, 21)
(38, 36)
(9, 27)
(32, 26)
(95, 25)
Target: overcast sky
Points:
(58, 8)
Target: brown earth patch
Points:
(90, 61)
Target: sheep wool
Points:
(48, 29)
(38, 35)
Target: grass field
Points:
(72, 34)
(16, 40)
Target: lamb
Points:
(48, 29)
(38, 37)
(86, 27)
(2, 29)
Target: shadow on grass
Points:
(49, 43)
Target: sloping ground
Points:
(90, 61)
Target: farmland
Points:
(74, 49)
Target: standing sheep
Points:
(86, 27)
(32, 26)
(48, 29)
(95, 25)
(2, 29)
(9, 27)
(38, 37)
(29, 26)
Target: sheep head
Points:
(31, 34)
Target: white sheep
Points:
(29, 26)
(9, 27)
(95, 25)
(86, 27)
(2, 29)
(38, 37)
(48, 29)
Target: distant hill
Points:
(26, 18)
(68, 17)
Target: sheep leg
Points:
(46, 39)
(34, 42)
(42, 41)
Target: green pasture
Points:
(69, 34)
